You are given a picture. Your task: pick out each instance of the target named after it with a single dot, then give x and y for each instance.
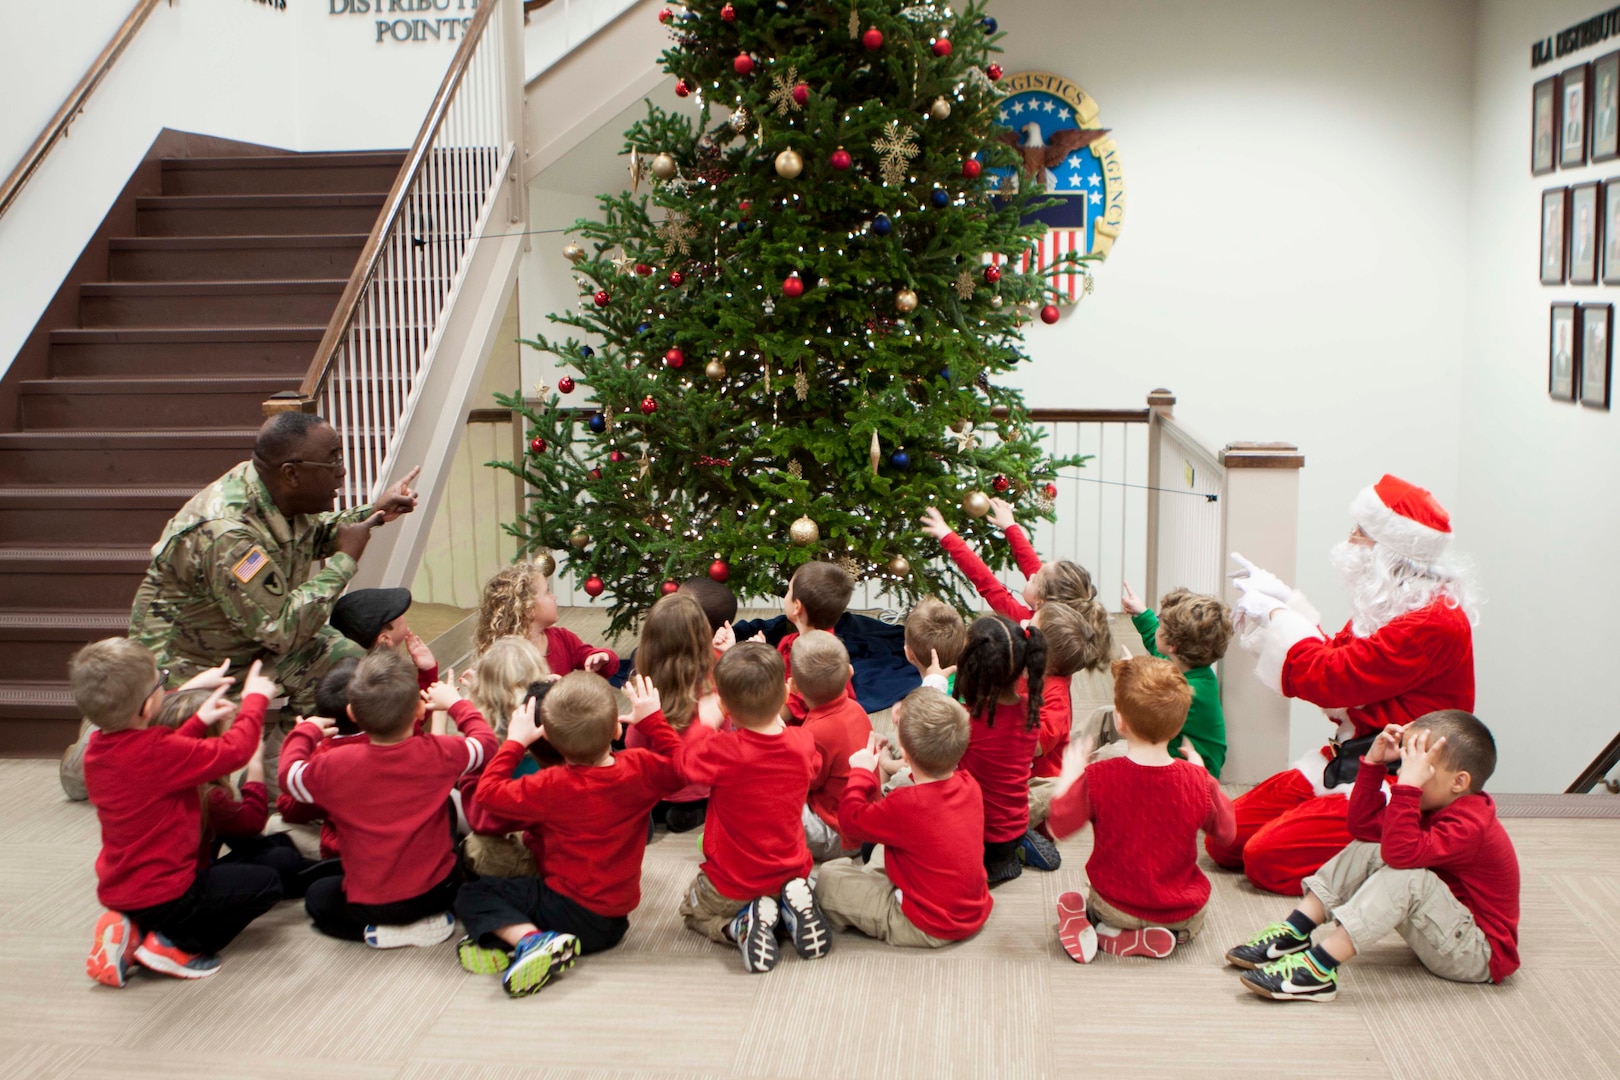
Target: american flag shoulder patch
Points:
(253, 562)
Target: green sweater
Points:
(1206, 724)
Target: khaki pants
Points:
(822, 839)
(863, 897)
(708, 911)
(1185, 930)
(1042, 790)
(1369, 899)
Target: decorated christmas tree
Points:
(792, 326)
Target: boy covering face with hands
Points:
(1434, 865)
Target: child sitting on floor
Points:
(1077, 639)
(588, 814)
(167, 910)
(935, 634)
(1063, 582)
(718, 602)
(1434, 865)
(753, 839)
(518, 600)
(839, 727)
(1146, 891)
(676, 653)
(503, 674)
(373, 617)
(997, 661)
(388, 797)
(928, 887)
(1193, 631)
(816, 596)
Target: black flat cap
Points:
(360, 615)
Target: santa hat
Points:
(1403, 517)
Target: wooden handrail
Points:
(1089, 416)
(57, 128)
(394, 204)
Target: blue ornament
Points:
(742, 228)
(642, 328)
(586, 351)
(881, 225)
(945, 374)
(598, 423)
(989, 24)
(900, 459)
(940, 198)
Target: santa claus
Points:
(1406, 651)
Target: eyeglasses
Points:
(163, 680)
(338, 465)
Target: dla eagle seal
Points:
(1068, 156)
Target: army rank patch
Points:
(250, 566)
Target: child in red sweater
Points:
(1146, 891)
(676, 652)
(518, 600)
(999, 659)
(168, 910)
(388, 798)
(839, 727)
(817, 597)
(1434, 865)
(755, 856)
(928, 887)
(588, 815)
(1063, 582)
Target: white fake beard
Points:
(1377, 592)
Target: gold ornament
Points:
(965, 439)
(895, 151)
(638, 169)
(976, 503)
(624, 264)
(804, 532)
(715, 369)
(663, 166)
(900, 566)
(677, 234)
(789, 164)
(849, 566)
(580, 539)
(877, 452)
(801, 385)
(795, 470)
(854, 23)
(545, 563)
(995, 300)
(573, 252)
(905, 301)
(940, 109)
(966, 282)
(738, 120)
(782, 95)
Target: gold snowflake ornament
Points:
(895, 151)
(854, 23)
(966, 283)
(677, 235)
(795, 470)
(782, 94)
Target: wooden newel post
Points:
(1261, 519)
(1161, 404)
(287, 401)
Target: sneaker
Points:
(112, 949)
(537, 957)
(1152, 941)
(1273, 943)
(1293, 978)
(428, 931)
(1005, 871)
(802, 918)
(754, 931)
(1037, 851)
(479, 960)
(157, 953)
(1075, 932)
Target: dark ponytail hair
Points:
(997, 652)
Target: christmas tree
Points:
(789, 331)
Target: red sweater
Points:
(1145, 820)
(565, 652)
(999, 756)
(143, 783)
(930, 835)
(753, 836)
(388, 802)
(798, 708)
(1412, 665)
(294, 812)
(998, 596)
(234, 815)
(1464, 844)
(839, 728)
(1057, 719)
(587, 824)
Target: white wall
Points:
(1536, 475)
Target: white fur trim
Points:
(1311, 766)
(1400, 534)
(1283, 631)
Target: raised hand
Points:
(255, 683)
(1001, 514)
(440, 696)
(420, 654)
(867, 756)
(933, 523)
(1387, 747)
(215, 708)
(643, 695)
(1263, 580)
(1128, 600)
(399, 499)
(934, 668)
(327, 728)
(725, 637)
(1420, 758)
(1074, 762)
(209, 678)
(522, 728)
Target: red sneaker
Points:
(112, 949)
(157, 953)
(1075, 932)
(1152, 941)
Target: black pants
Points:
(488, 904)
(335, 916)
(217, 907)
(999, 853)
(276, 852)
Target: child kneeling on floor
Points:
(1146, 891)
(589, 816)
(929, 887)
(1434, 865)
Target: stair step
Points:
(234, 258)
(86, 458)
(66, 515)
(257, 215)
(68, 576)
(161, 401)
(187, 350)
(37, 643)
(301, 173)
(208, 303)
(36, 701)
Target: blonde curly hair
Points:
(507, 603)
(504, 673)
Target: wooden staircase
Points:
(217, 302)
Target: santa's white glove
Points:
(1255, 607)
(1248, 574)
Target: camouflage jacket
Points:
(232, 577)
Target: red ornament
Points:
(801, 93)
(565, 385)
(793, 286)
(681, 88)
(648, 406)
(594, 586)
(992, 273)
(942, 47)
(671, 586)
(1051, 491)
(745, 206)
(1050, 314)
(971, 168)
(719, 571)
(643, 269)
(615, 457)
(538, 445)
(728, 14)
(676, 279)
(674, 358)
(840, 159)
(666, 16)
(596, 474)
(743, 65)
(994, 72)
(602, 298)
(872, 39)
(1001, 484)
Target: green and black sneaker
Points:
(481, 960)
(1273, 943)
(1293, 978)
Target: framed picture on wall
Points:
(1606, 107)
(1554, 234)
(1585, 232)
(1563, 353)
(1545, 109)
(1597, 353)
(1610, 213)
(1572, 144)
